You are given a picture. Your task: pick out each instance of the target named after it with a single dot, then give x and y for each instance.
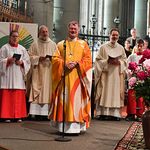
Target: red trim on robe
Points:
(12, 103)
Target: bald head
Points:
(43, 33)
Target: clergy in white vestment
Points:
(14, 65)
(41, 53)
(109, 71)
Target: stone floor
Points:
(34, 135)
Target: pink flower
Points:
(141, 75)
(132, 81)
(132, 66)
(129, 73)
(138, 69)
(146, 55)
(146, 64)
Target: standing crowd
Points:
(56, 79)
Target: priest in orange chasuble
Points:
(78, 80)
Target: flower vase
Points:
(146, 128)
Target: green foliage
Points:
(142, 89)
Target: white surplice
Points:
(12, 77)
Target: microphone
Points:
(64, 45)
(63, 139)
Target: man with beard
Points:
(78, 78)
(110, 66)
(41, 53)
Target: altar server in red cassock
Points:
(12, 72)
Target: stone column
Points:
(111, 10)
(126, 17)
(42, 11)
(92, 11)
(140, 20)
(83, 21)
(93, 8)
(64, 12)
(100, 17)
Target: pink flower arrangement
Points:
(139, 76)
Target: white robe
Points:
(41, 82)
(109, 80)
(134, 58)
(12, 77)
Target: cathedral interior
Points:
(96, 17)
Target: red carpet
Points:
(133, 139)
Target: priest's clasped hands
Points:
(71, 65)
